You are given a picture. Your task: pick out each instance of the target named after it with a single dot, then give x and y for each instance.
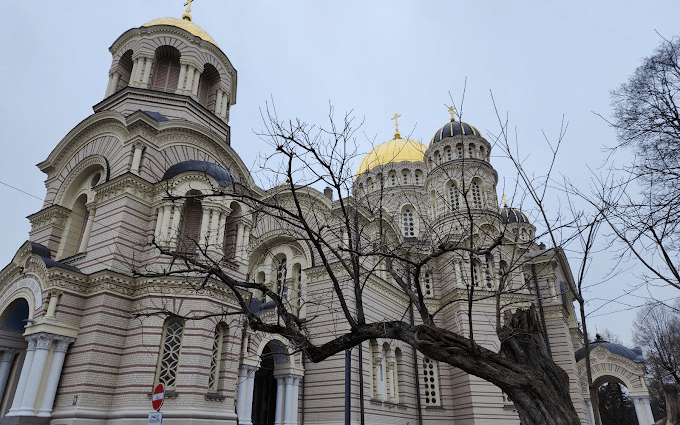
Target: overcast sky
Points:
(542, 60)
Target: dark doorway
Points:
(264, 391)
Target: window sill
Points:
(215, 397)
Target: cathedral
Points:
(81, 342)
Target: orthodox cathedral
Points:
(80, 340)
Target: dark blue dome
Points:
(634, 354)
(454, 128)
(513, 215)
(222, 176)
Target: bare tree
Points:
(657, 330)
(354, 240)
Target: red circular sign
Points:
(158, 396)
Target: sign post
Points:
(156, 418)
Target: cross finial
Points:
(452, 110)
(396, 126)
(187, 13)
(505, 203)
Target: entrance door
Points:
(264, 391)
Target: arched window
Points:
(219, 340)
(409, 221)
(449, 157)
(399, 372)
(281, 279)
(471, 149)
(475, 272)
(430, 373)
(433, 204)
(488, 272)
(438, 155)
(392, 178)
(231, 225)
(72, 239)
(454, 200)
(207, 89)
(459, 150)
(190, 224)
(426, 285)
(125, 69)
(297, 284)
(476, 195)
(168, 357)
(418, 176)
(482, 152)
(404, 177)
(166, 69)
(369, 184)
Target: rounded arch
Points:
(207, 86)
(275, 241)
(79, 180)
(166, 65)
(13, 317)
(125, 70)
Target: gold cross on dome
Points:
(505, 203)
(452, 110)
(396, 126)
(187, 13)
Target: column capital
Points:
(54, 292)
(62, 343)
(248, 369)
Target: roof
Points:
(513, 215)
(184, 24)
(222, 176)
(395, 150)
(634, 354)
(454, 128)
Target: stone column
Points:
(52, 306)
(53, 378)
(202, 239)
(214, 228)
(194, 86)
(279, 400)
(641, 406)
(5, 366)
(220, 231)
(164, 226)
(591, 414)
(246, 242)
(147, 72)
(288, 409)
(190, 80)
(458, 273)
(239, 241)
(136, 159)
(393, 385)
(182, 75)
(136, 73)
(250, 384)
(42, 348)
(241, 393)
(218, 102)
(23, 378)
(648, 410)
(84, 241)
(294, 405)
(174, 227)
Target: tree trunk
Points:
(672, 406)
(547, 402)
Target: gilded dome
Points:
(395, 150)
(513, 215)
(185, 24)
(454, 128)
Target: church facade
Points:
(89, 324)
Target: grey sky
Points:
(542, 60)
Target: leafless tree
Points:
(354, 240)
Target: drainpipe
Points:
(361, 383)
(540, 309)
(348, 386)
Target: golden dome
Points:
(395, 150)
(185, 24)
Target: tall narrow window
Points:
(449, 157)
(281, 282)
(476, 195)
(482, 152)
(418, 176)
(393, 178)
(297, 282)
(471, 148)
(453, 197)
(430, 373)
(459, 150)
(408, 221)
(404, 176)
(475, 272)
(216, 359)
(166, 69)
(190, 227)
(168, 359)
(426, 284)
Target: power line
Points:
(22, 191)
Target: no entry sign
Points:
(158, 396)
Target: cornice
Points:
(54, 215)
(127, 185)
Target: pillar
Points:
(294, 405)
(279, 400)
(202, 239)
(159, 223)
(88, 229)
(220, 233)
(287, 410)
(5, 367)
(182, 75)
(52, 306)
(648, 409)
(164, 226)
(643, 410)
(53, 378)
(246, 242)
(136, 73)
(241, 393)
(239, 240)
(147, 72)
(459, 274)
(393, 384)
(214, 228)
(218, 102)
(42, 348)
(250, 385)
(174, 227)
(190, 79)
(136, 160)
(194, 86)
(591, 414)
(23, 378)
